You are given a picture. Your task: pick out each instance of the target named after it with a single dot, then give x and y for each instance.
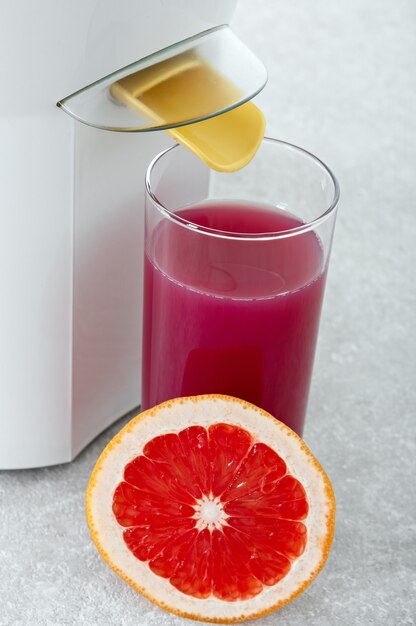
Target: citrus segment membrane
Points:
(211, 508)
(213, 511)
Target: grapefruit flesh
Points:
(213, 511)
(211, 508)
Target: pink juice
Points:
(229, 315)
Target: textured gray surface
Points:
(342, 84)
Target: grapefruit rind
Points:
(174, 416)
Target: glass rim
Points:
(296, 230)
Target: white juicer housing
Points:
(72, 219)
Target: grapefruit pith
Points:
(211, 508)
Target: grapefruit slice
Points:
(211, 508)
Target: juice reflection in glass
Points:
(234, 278)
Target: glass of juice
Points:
(235, 269)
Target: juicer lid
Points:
(193, 80)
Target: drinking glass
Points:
(235, 270)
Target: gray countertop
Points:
(342, 83)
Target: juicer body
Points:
(72, 220)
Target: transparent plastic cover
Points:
(193, 80)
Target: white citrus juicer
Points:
(72, 194)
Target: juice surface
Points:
(229, 315)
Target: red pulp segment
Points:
(213, 511)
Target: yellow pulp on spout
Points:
(185, 87)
